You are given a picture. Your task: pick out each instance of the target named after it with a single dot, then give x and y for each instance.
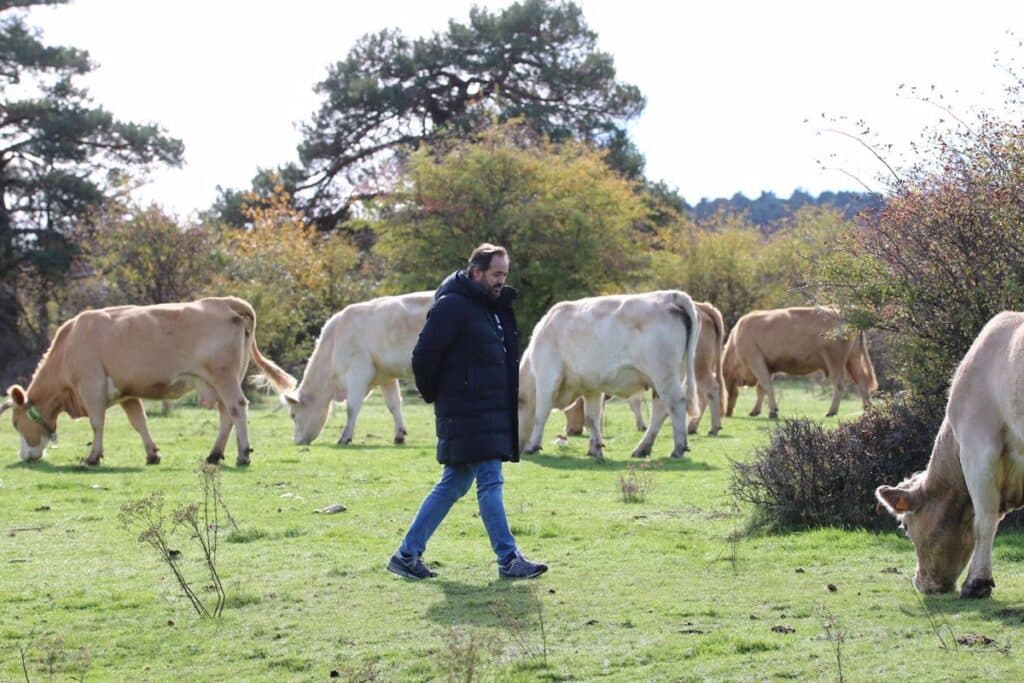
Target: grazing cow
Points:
(976, 472)
(797, 341)
(618, 345)
(710, 385)
(366, 345)
(127, 353)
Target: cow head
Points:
(309, 415)
(939, 524)
(26, 418)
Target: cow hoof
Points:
(641, 453)
(242, 462)
(400, 439)
(773, 416)
(214, 457)
(714, 432)
(679, 453)
(152, 459)
(344, 441)
(574, 432)
(598, 455)
(830, 413)
(93, 460)
(977, 588)
(752, 413)
(531, 451)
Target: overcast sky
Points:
(735, 90)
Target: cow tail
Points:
(691, 321)
(864, 358)
(270, 373)
(716, 317)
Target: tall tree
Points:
(536, 60)
(565, 217)
(60, 156)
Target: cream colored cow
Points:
(796, 341)
(710, 385)
(123, 354)
(366, 345)
(618, 345)
(976, 472)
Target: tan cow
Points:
(366, 345)
(127, 353)
(976, 472)
(796, 341)
(618, 345)
(710, 385)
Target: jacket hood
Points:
(459, 283)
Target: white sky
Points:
(729, 84)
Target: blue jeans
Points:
(455, 482)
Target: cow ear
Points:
(291, 398)
(17, 395)
(898, 500)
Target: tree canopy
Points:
(536, 60)
(565, 217)
(60, 156)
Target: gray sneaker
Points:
(409, 567)
(520, 568)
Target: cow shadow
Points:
(494, 604)
(73, 468)
(574, 461)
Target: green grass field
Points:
(669, 589)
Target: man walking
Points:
(466, 362)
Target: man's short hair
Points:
(482, 255)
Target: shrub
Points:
(809, 476)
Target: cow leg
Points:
(764, 382)
(574, 418)
(979, 456)
(136, 413)
(393, 399)
(636, 404)
(675, 402)
(658, 415)
(358, 386)
(756, 410)
(221, 442)
(94, 397)
(702, 404)
(838, 375)
(593, 407)
(545, 393)
(714, 401)
(229, 393)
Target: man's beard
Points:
(495, 292)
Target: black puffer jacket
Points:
(462, 366)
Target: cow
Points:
(710, 385)
(366, 345)
(976, 472)
(619, 345)
(124, 354)
(796, 341)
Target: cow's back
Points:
(143, 349)
(792, 340)
(380, 331)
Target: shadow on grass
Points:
(471, 605)
(73, 468)
(571, 461)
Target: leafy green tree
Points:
(60, 156)
(143, 256)
(294, 276)
(536, 60)
(565, 217)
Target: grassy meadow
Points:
(668, 589)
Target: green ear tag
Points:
(33, 413)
